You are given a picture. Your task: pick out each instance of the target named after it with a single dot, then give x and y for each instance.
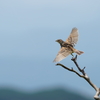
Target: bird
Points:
(67, 47)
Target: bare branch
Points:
(84, 75)
(81, 70)
(70, 69)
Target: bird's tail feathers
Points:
(78, 52)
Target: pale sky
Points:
(28, 30)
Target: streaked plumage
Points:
(67, 47)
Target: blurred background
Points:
(28, 30)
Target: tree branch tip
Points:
(58, 64)
(76, 57)
(83, 68)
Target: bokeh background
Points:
(28, 30)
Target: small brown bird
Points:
(67, 47)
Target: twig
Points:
(84, 75)
(70, 69)
(81, 70)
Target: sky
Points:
(28, 30)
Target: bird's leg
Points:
(72, 55)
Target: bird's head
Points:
(59, 41)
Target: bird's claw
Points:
(72, 55)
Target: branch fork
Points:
(84, 76)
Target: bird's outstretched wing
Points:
(63, 53)
(73, 37)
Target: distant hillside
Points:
(50, 94)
